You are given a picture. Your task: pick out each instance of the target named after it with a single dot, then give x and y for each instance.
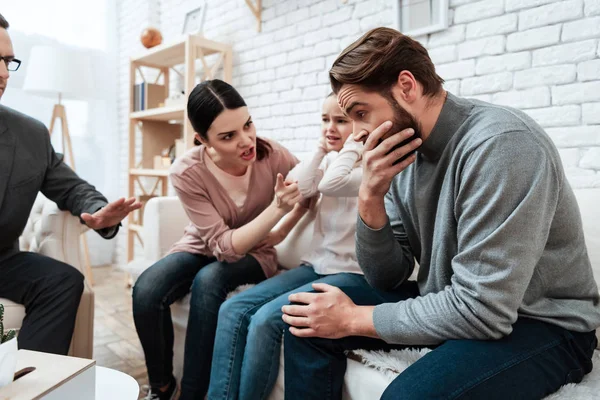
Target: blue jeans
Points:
(164, 283)
(530, 363)
(248, 340)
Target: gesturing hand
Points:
(111, 214)
(287, 194)
(379, 157)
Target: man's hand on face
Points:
(379, 158)
(111, 214)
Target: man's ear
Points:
(405, 87)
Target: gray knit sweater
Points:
(487, 212)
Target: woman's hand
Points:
(287, 194)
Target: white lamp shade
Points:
(52, 71)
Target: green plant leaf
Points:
(2, 321)
(9, 336)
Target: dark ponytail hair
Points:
(209, 99)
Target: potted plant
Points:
(8, 352)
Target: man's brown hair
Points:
(376, 59)
(3, 22)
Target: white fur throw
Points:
(392, 363)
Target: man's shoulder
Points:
(16, 120)
(497, 122)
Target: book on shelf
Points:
(147, 96)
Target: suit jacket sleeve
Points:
(62, 185)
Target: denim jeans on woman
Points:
(164, 283)
(530, 363)
(248, 340)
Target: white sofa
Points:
(164, 220)
(56, 234)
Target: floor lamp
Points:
(61, 73)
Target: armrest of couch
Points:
(56, 234)
(164, 222)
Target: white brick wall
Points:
(533, 38)
(550, 14)
(542, 56)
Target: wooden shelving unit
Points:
(162, 125)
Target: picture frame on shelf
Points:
(194, 20)
(420, 17)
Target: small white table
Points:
(67, 378)
(115, 385)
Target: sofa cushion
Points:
(13, 314)
(297, 244)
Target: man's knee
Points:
(402, 389)
(63, 286)
(70, 279)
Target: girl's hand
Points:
(323, 145)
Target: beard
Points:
(402, 120)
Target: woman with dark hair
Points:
(232, 189)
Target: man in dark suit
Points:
(49, 289)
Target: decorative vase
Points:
(8, 361)
(151, 37)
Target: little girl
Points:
(249, 331)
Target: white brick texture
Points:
(542, 56)
(505, 62)
(524, 99)
(576, 93)
(550, 14)
(533, 38)
(591, 159)
(591, 113)
(492, 26)
(555, 75)
(486, 84)
(441, 55)
(582, 29)
(556, 116)
(589, 70)
(476, 11)
(592, 7)
(514, 5)
(580, 136)
(460, 69)
(565, 53)
(481, 47)
(454, 34)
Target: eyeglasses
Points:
(12, 64)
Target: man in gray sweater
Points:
(504, 294)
